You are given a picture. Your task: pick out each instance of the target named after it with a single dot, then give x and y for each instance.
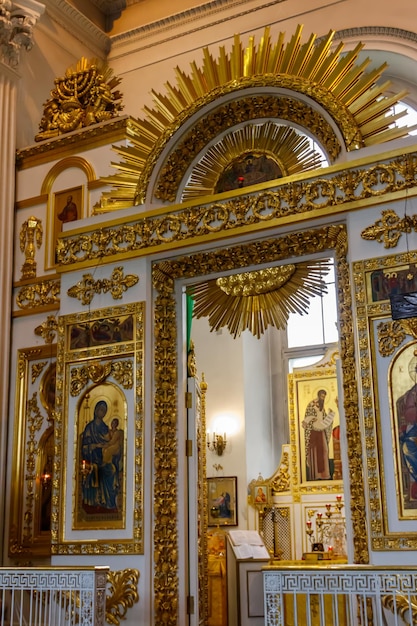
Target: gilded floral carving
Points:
(324, 195)
(165, 274)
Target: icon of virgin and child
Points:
(101, 462)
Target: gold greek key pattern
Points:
(340, 191)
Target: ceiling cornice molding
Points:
(110, 7)
(74, 22)
(376, 31)
(185, 18)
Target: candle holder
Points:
(327, 530)
(85, 469)
(217, 443)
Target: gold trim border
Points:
(166, 376)
(24, 542)
(134, 349)
(381, 539)
(335, 190)
(260, 107)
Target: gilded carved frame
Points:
(100, 358)
(304, 386)
(381, 342)
(166, 374)
(34, 421)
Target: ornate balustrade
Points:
(340, 595)
(53, 596)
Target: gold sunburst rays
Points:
(261, 298)
(335, 80)
(283, 145)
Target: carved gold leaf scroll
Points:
(123, 588)
(404, 606)
(282, 480)
(35, 421)
(390, 336)
(389, 228)
(117, 284)
(40, 294)
(122, 371)
(410, 326)
(332, 191)
(258, 299)
(48, 329)
(122, 594)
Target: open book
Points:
(248, 544)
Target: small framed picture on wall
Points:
(222, 501)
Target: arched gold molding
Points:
(166, 375)
(336, 83)
(285, 146)
(64, 164)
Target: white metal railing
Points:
(53, 596)
(340, 595)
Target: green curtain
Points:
(190, 306)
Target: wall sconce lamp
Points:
(217, 443)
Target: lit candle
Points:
(208, 436)
(83, 465)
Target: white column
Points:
(16, 24)
(8, 90)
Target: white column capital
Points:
(17, 20)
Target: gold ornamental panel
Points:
(99, 432)
(387, 352)
(166, 273)
(336, 190)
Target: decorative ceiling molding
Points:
(110, 7)
(190, 16)
(375, 31)
(79, 26)
(336, 83)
